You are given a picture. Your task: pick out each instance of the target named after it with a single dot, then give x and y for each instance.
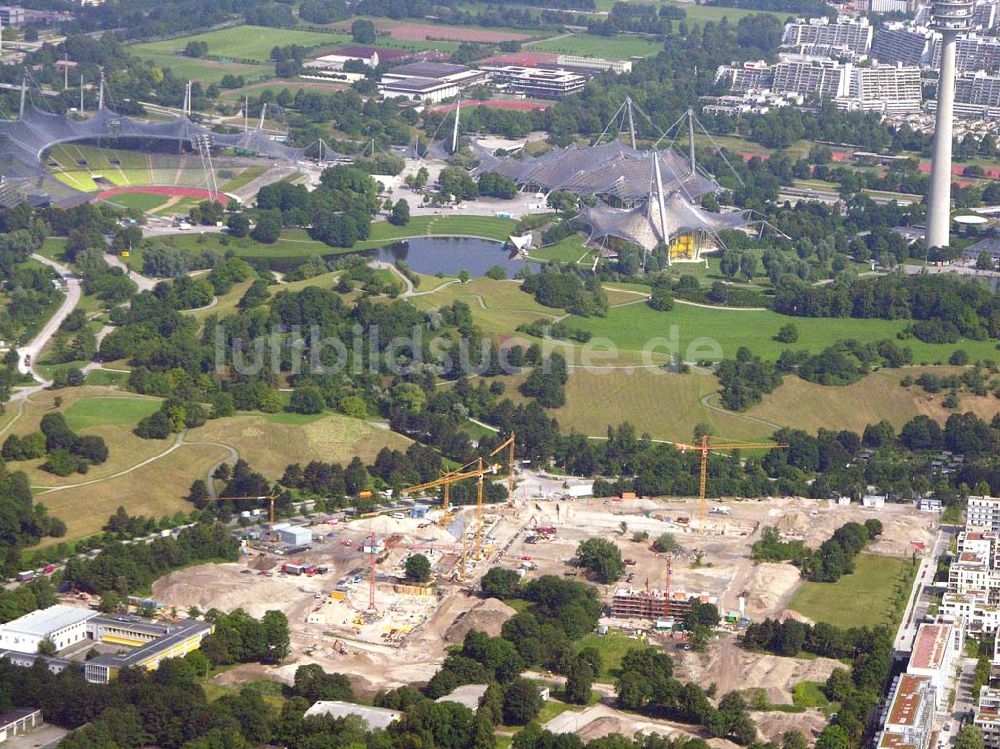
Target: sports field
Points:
(619, 47)
(242, 43)
(140, 201)
(862, 599)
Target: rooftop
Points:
(907, 698)
(930, 646)
(46, 621)
(171, 635)
(375, 717)
(15, 715)
(467, 694)
(435, 70)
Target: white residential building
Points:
(983, 513)
(847, 38)
(935, 650)
(909, 717)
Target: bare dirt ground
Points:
(730, 668)
(406, 641)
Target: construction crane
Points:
(388, 544)
(508, 443)
(706, 446)
(269, 497)
(461, 474)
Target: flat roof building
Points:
(538, 83)
(935, 648)
(377, 718)
(467, 694)
(428, 81)
(63, 625)
(19, 722)
(909, 717)
(847, 38)
(153, 643)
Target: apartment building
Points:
(909, 717)
(936, 648)
(651, 603)
(846, 38)
(973, 52)
(978, 95)
(885, 88)
(983, 513)
(902, 44)
(810, 76)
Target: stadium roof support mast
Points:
(631, 120)
(950, 17)
(658, 184)
(694, 164)
(81, 94)
(100, 93)
(24, 93)
(263, 114)
(454, 134)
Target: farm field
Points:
(270, 442)
(242, 42)
(619, 47)
(861, 599)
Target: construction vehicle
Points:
(705, 446)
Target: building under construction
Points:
(651, 603)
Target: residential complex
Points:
(650, 603)
(909, 716)
(847, 38)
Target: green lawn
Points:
(864, 598)
(244, 178)
(619, 47)
(140, 201)
(613, 646)
(698, 14)
(53, 248)
(569, 250)
(810, 694)
(707, 333)
(106, 377)
(487, 227)
(96, 412)
(243, 42)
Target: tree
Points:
(268, 228)
(602, 558)
(110, 602)
(666, 544)
(418, 568)
(521, 703)
(579, 680)
(238, 224)
(660, 299)
(400, 213)
(969, 737)
(363, 31)
(787, 333)
(500, 583)
(307, 399)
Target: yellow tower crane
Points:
(705, 446)
(461, 474)
(508, 444)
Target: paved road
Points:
(145, 283)
(34, 348)
(916, 607)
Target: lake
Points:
(449, 255)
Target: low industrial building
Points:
(292, 535)
(19, 722)
(428, 81)
(467, 694)
(377, 718)
(538, 83)
(63, 626)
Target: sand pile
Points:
(793, 521)
(769, 587)
(383, 525)
(487, 616)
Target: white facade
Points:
(293, 535)
(983, 512)
(935, 650)
(63, 625)
(847, 38)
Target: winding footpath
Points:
(73, 293)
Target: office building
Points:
(846, 38)
(63, 626)
(594, 63)
(538, 83)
